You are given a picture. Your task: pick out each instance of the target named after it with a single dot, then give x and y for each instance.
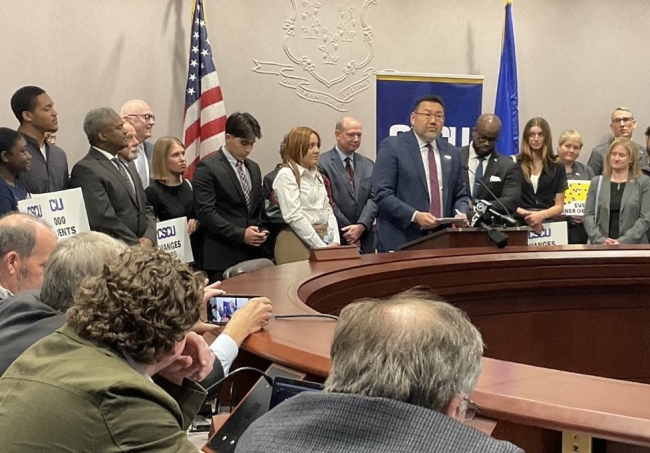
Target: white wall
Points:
(577, 59)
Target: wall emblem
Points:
(329, 50)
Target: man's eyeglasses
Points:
(429, 116)
(353, 134)
(471, 410)
(624, 120)
(145, 116)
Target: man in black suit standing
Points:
(350, 175)
(112, 191)
(497, 171)
(228, 199)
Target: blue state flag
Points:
(507, 102)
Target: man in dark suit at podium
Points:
(417, 179)
(497, 171)
(383, 393)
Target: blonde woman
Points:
(568, 150)
(543, 181)
(170, 194)
(303, 200)
(617, 210)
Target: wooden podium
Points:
(465, 237)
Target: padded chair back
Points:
(246, 266)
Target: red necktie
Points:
(434, 206)
(350, 170)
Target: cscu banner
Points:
(397, 93)
(174, 239)
(64, 210)
(553, 233)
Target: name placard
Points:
(174, 239)
(575, 198)
(553, 233)
(64, 210)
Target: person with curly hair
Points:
(123, 366)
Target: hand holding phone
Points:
(221, 308)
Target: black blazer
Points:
(501, 177)
(222, 211)
(110, 206)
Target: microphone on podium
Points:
(506, 218)
(481, 212)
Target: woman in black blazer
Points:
(543, 181)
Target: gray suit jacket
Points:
(341, 423)
(634, 220)
(598, 154)
(111, 208)
(24, 320)
(500, 176)
(49, 175)
(352, 207)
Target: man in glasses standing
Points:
(417, 179)
(139, 115)
(622, 125)
(485, 164)
(350, 177)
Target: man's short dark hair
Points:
(430, 98)
(647, 132)
(243, 125)
(8, 138)
(24, 100)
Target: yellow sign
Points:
(575, 198)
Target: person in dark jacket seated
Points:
(33, 314)
(403, 371)
(123, 367)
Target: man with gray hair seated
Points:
(112, 191)
(403, 370)
(29, 316)
(25, 246)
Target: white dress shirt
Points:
(472, 163)
(226, 350)
(110, 157)
(306, 205)
(142, 166)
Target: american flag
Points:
(205, 113)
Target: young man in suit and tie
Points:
(112, 191)
(417, 179)
(350, 176)
(139, 114)
(228, 199)
(486, 164)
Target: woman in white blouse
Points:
(303, 200)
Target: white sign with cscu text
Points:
(64, 210)
(173, 238)
(553, 233)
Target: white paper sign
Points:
(64, 210)
(173, 238)
(553, 233)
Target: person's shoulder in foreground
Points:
(113, 379)
(384, 395)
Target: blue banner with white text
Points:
(397, 94)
